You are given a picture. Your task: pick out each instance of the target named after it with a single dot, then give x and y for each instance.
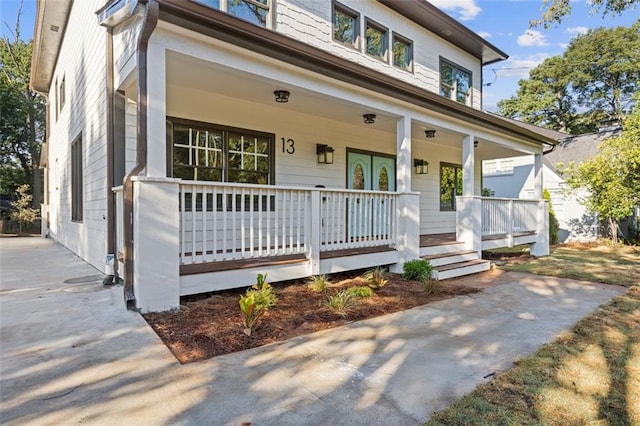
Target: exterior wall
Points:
(125, 43)
(82, 63)
(311, 21)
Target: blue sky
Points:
(504, 23)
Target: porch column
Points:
(468, 166)
(541, 247)
(537, 176)
(156, 110)
(156, 231)
(403, 148)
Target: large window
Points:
(402, 52)
(76, 179)
(377, 41)
(201, 151)
(455, 82)
(450, 185)
(255, 11)
(346, 25)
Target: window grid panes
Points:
(402, 52)
(345, 25)
(450, 185)
(77, 188)
(455, 83)
(376, 40)
(254, 11)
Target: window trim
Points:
(379, 27)
(63, 94)
(224, 7)
(372, 154)
(173, 121)
(455, 90)
(405, 40)
(77, 188)
(356, 44)
(445, 164)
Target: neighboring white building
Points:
(203, 142)
(513, 178)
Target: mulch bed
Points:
(205, 327)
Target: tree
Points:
(612, 178)
(554, 225)
(21, 119)
(556, 10)
(23, 214)
(593, 80)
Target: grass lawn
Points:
(603, 264)
(590, 375)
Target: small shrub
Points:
(417, 269)
(341, 302)
(376, 277)
(257, 300)
(318, 283)
(23, 214)
(430, 286)
(361, 292)
(554, 225)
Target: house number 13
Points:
(288, 146)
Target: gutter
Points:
(112, 271)
(148, 25)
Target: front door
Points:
(367, 171)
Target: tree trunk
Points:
(36, 187)
(613, 230)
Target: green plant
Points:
(23, 214)
(417, 269)
(430, 286)
(554, 226)
(341, 302)
(376, 277)
(318, 283)
(255, 302)
(361, 292)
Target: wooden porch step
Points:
(461, 268)
(447, 258)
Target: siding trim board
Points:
(243, 34)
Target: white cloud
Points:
(532, 38)
(577, 30)
(564, 45)
(519, 67)
(467, 9)
(484, 34)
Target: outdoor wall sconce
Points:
(369, 118)
(325, 154)
(430, 134)
(282, 96)
(421, 166)
(475, 144)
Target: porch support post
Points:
(156, 111)
(156, 232)
(403, 148)
(315, 227)
(407, 229)
(469, 222)
(468, 166)
(541, 247)
(537, 176)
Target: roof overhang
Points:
(51, 22)
(444, 26)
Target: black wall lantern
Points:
(421, 166)
(282, 96)
(325, 154)
(430, 133)
(369, 118)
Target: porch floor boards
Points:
(501, 236)
(227, 265)
(429, 240)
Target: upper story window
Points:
(402, 52)
(63, 93)
(455, 82)
(377, 40)
(346, 25)
(254, 11)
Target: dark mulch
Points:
(211, 326)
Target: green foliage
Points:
(361, 292)
(430, 286)
(23, 214)
(554, 226)
(318, 283)
(593, 80)
(611, 180)
(22, 121)
(376, 277)
(257, 300)
(556, 10)
(341, 302)
(417, 269)
(486, 192)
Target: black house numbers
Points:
(288, 146)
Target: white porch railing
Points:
(501, 216)
(223, 221)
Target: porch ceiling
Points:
(188, 72)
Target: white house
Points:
(514, 177)
(203, 142)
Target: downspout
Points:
(111, 263)
(148, 25)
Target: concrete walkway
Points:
(70, 353)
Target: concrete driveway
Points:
(70, 353)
